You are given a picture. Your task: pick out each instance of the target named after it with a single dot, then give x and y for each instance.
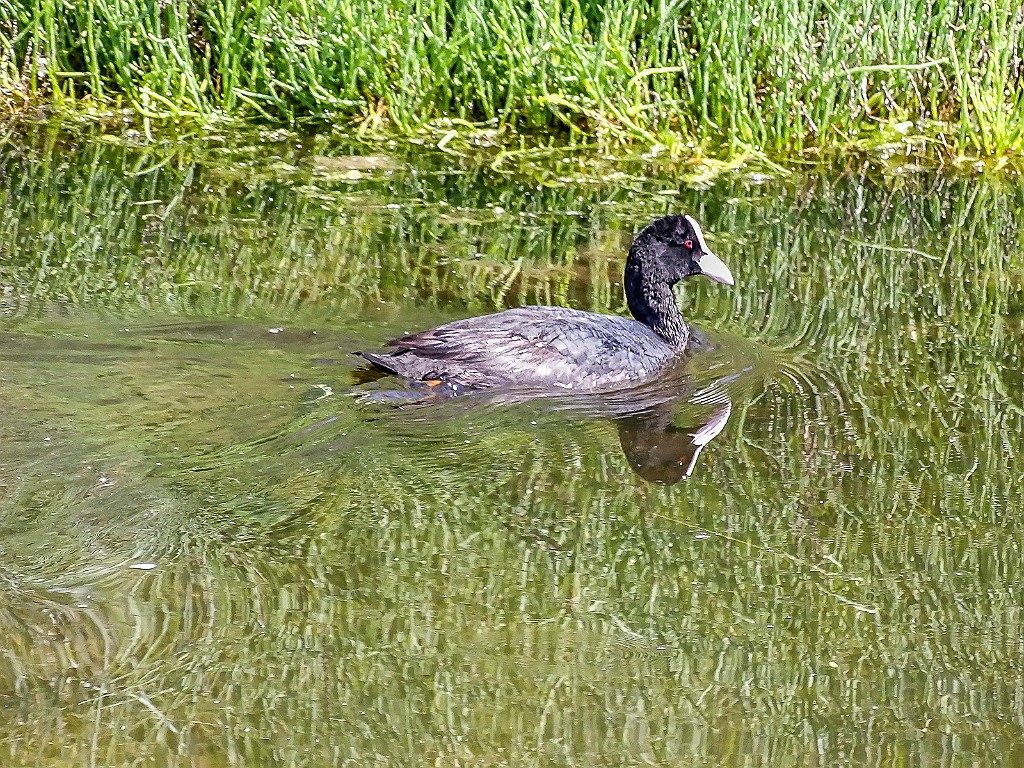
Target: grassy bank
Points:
(719, 76)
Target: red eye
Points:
(688, 243)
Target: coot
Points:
(554, 347)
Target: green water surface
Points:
(218, 546)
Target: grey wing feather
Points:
(540, 346)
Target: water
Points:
(219, 548)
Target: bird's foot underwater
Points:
(416, 393)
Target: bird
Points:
(557, 348)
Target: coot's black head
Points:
(673, 247)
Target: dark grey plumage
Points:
(553, 347)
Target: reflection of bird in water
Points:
(660, 451)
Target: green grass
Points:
(722, 77)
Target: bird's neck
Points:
(651, 301)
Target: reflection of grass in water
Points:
(394, 599)
(510, 601)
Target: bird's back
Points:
(532, 347)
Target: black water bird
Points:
(553, 348)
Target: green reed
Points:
(788, 77)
